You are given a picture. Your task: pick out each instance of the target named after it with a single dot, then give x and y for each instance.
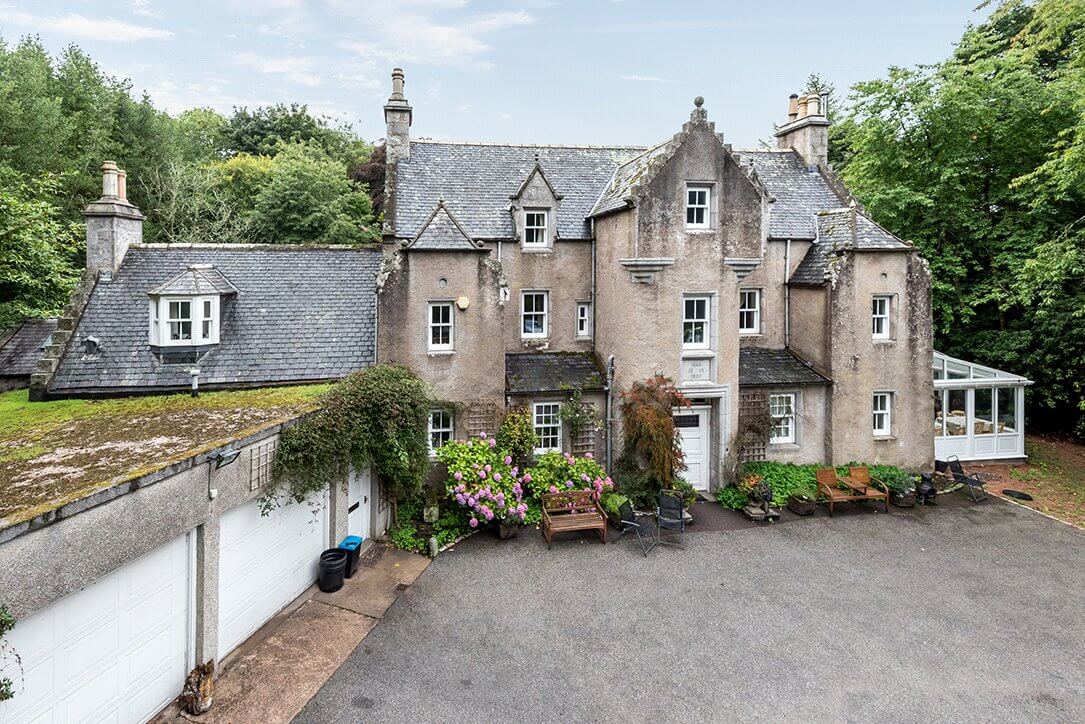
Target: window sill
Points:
(700, 231)
(698, 354)
(751, 335)
(440, 352)
(884, 438)
(884, 342)
(785, 446)
(536, 249)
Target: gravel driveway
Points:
(962, 613)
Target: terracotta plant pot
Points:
(801, 506)
(905, 500)
(504, 532)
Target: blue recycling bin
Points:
(352, 544)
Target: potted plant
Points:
(802, 500)
(901, 489)
(612, 503)
(689, 496)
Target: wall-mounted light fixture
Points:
(463, 303)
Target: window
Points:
(179, 320)
(535, 223)
(698, 198)
(207, 319)
(749, 311)
(583, 319)
(879, 317)
(548, 425)
(533, 312)
(695, 315)
(440, 429)
(440, 326)
(883, 413)
(983, 411)
(1007, 409)
(782, 410)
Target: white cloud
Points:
(296, 69)
(78, 26)
(143, 7)
(412, 31)
(646, 79)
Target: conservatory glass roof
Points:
(952, 372)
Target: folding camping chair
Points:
(973, 482)
(643, 524)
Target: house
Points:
(133, 544)
(515, 274)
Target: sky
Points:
(529, 71)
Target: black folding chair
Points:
(973, 482)
(671, 515)
(640, 523)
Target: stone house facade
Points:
(516, 274)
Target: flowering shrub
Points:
(556, 472)
(483, 480)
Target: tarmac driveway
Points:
(955, 613)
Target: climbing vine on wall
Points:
(377, 417)
(7, 622)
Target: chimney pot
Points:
(793, 107)
(802, 107)
(397, 119)
(813, 105)
(122, 185)
(397, 84)
(109, 178)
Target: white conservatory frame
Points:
(1001, 436)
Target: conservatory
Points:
(978, 411)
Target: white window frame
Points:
(583, 320)
(160, 320)
(788, 420)
(446, 424)
(546, 422)
(882, 414)
(881, 310)
(542, 232)
(744, 311)
(545, 313)
(705, 207)
(705, 321)
(432, 326)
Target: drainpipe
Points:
(591, 222)
(610, 413)
(787, 295)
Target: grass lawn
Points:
(1054, 476)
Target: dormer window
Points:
(186, 310)
(536, 224)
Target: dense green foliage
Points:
(980, 160)
(483, 481)
(412, 534)
(377, 416)
(787, 479)
(276, 174)
(517, 435)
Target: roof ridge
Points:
(257, 247)
(589, 146)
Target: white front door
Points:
(693, 433)
(359, 499)
(265, 562)
(114, 651)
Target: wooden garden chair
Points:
(829, 486)
(860, 477)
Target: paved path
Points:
(955, 613)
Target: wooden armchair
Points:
(829, 486)
(859, 487)
(861, 481)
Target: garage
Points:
(116, 650)
(265, 562)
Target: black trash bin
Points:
(333, 564)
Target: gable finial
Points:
(699, 114)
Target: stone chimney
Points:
(806, 130)
(397, 116)
(113, 224)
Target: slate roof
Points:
(529, 372)
(197, 279)
(300, 314)
(799, 192)
(477, 181)
(442, 232)
(840, 230)
(20, 352)
(758, 367)
(625, 179)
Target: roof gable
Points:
(442, 232)
(840, 230)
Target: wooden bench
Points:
(572, 510)
(859, 487)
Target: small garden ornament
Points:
(759, 494)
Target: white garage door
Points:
(264, 563)
(114, 651)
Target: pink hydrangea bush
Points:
(558, 472)
(483, 480)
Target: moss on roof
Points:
(54, 453)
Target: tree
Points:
(264, 131)
(39, 253)
(309, 200)
(200, 135)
